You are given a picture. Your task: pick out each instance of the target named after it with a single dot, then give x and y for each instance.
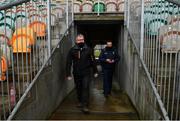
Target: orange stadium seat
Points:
(3, 68)
(39, 28)
(22, 39)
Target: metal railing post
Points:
(67, 13)
(72, 10)
(142, 29)
(128, 13)
(49, 26)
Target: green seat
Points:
(3, 25)
(147, 15)
(20, 15)
(8, 19)
(164, 14)
(171, 8)
(42, 6)
(6, 29)
(99, 7)
(161, 1)
(20, 19)
(11, 14)
(176, 11)
(155, 24)
(156, 7)
(1, 15)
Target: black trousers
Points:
(82, 83)
(107, 80)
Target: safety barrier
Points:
(142, 90)
(157, 38)
(26, 41)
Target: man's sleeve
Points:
(69, 63)
(102, 57)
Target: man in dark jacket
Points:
(83, 60)
(108, 58)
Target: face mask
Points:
(81, 45)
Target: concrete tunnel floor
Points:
(115, 107)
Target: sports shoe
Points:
(85, 110)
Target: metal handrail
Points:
(19, 103)
(15, 3)
(160, 103)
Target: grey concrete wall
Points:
(118, 81)
(50, 88)
(125, 72)
(126, 81)
(122, 71)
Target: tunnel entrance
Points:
(97, 33)
(117, 105)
